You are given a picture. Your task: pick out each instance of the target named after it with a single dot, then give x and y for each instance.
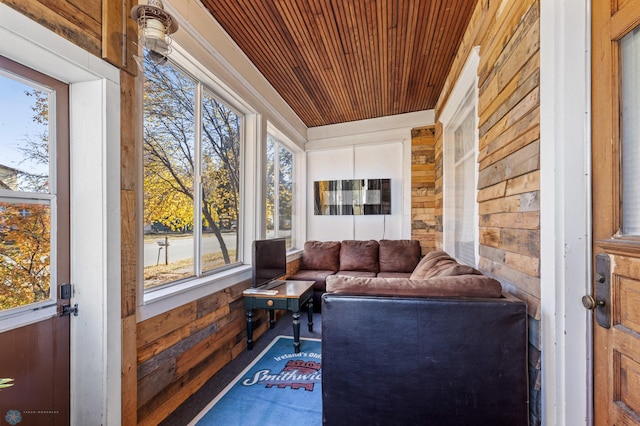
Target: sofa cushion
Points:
(449, 286)
(359, 255)
(318, 277)
(399, 255)
(394, 274)
(321, 255)
(356, 274)
(438, 263)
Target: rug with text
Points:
(279, 387)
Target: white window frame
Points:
(217, 61)
(27, 314)
(170, 295)
(296, 204)
(467, 82)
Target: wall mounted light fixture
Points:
(155, 27)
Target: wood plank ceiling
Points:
(336, 61)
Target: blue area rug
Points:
(280, 387)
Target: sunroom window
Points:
(279, 188)
(463, 163)
(192, 177)
(460, 146)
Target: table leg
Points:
(310, 313)
(249, 329)
(296, 331)
(272, 318)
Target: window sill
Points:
(165, 299)
(26, 315)
(294, 254)
(168, 298)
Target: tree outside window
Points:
(191, 177)
(279, 190)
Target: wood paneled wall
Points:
(508, 33)
(79, 21)
(178, 351)
(423, 187)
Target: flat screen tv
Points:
(269, 260)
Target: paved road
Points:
(181, 247)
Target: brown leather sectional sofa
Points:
(443, 346)
(356, 258)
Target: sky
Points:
(16, 124)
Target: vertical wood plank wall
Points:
(178, 351)
(423, 186)
(508, 33)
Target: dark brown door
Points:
(34, 247)
(616, 210)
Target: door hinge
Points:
(68, 310)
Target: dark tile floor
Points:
(192, 406)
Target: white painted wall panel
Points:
(384, 161)
(368, 149)
(332, 164)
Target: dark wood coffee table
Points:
(292, 295)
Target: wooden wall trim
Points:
(119, 35)
(423, 183)
(130, 196)
(79, 24)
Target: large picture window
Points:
(192, 172)
(279, 187)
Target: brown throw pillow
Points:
(321, 255)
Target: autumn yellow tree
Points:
(282, 190)
(25, 227)
(170, 153)
(24, 254)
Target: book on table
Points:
(263, 291)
